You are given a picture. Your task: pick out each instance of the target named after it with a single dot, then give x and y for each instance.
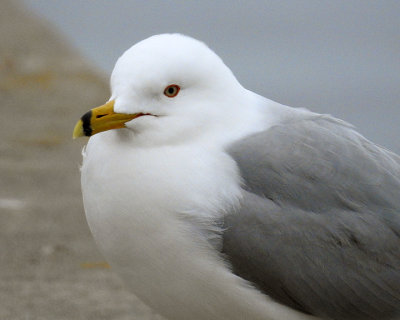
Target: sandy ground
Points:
(49, 265)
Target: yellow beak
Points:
(101, 119)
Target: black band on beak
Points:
(87, 128)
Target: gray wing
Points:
(319, 224)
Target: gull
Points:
(213, 202)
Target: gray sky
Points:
(340, 57)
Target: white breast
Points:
(151, 211)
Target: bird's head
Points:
(166, 87)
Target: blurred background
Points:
(340, 57)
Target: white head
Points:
(203, 94)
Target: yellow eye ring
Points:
(172, 90)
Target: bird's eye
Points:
(171, 90)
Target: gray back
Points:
(319, 224)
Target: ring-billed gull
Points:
(213, 202)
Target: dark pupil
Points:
(171, 90)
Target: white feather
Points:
(154, 191)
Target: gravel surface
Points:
(50, 266)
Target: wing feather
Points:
(319, 224)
